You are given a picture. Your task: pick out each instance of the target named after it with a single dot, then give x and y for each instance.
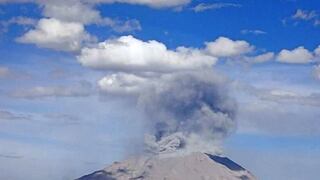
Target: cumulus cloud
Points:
(64, 26)
(71, 11)
(225, 47)
(154, 56)
(142, 56)
(298, 55)
(203, 6)
(58, 35)
(84, 13)
(122, 84)
(77, 90)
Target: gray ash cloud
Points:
(189, 105)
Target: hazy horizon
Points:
(86, 83)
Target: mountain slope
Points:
(195, 166)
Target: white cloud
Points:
(16, 1)
(150, 3)
(225, 47)
(122, 84)
(75, 11)
(285, 95)
(316, 72)
(254, 32)
(307, 15)
(272, 118)
(304, 15)
(317, 51)
(260, 58)
(203, 6)
(58, 35)
(84, 13)
(145, 62)
(290, 97)
(299, 55)
(130, 54)
(71, 11)
(288, 110)
(8, 73)
(77, 90)
(153, 56)
(121, 26)
(19, 20)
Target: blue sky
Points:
(60, 119)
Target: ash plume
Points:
(189, 111)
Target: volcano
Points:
(194, 166)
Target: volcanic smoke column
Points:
(188, 111)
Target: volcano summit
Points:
(194, 166)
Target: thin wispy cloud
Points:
(9, 73)
(311, 16)
(316, 22)
(25, 22)
(305, 15)
(253, 31)
(151, 3)
(316, 72)
(10, 156)
(81, 89)
(212, 6)
(8, 115)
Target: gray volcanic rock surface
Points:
(195, 166)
